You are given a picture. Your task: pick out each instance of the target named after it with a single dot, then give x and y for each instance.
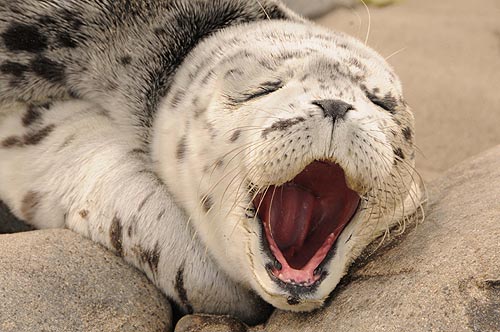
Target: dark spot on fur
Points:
(46, 20)
(112, 85)
(293, 300)
(31, 138)
(73, 94)
(126, 60)
(235, 136)
(207, 77)
(161, 214)
(407, 134)
(399, 153)
(83, 213)
(282, 125)
(211, 130)
(130, 231)
(303, 78)
(50, 70)
(116, 235)
(13, 68)
(198, 112)
(67, 141)
(47, 105)
(35, 137)
(138, 151)
(177, 98)
(33, 113)
(24, 37)
(12, 141)
(207, 203)
(159, 30)
(152, 258)
(29, 205)
(181, 291)
(65, 40)
(152, 176)
(16, 82)
(356, 63)
(72, 18)
(181, 148)
(141, 205)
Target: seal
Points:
(226, 150)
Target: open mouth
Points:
(303, 218)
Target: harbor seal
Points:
(226, 149)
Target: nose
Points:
(333, 108)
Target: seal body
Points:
(225, 148)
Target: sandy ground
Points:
(447, 54)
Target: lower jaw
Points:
(303, 291)
(292, 300)
(310, 274)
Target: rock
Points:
(443, 275)
(56, 280)
(317, 7)
(209, 323)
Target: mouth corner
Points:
(301, 221)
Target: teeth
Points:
(250, 213)
(278, 265)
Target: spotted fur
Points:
(149, 127)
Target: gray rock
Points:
(55, 280)
(209, 323)
(317, 7)
(443, 275)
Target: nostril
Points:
(333, 108)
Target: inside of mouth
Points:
(303, 217)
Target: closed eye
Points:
(380, 103)
(386, 102)
(262, 90)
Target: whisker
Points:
(369, 21)
(395, 53)
(264, 10)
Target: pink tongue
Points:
(290, 217)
